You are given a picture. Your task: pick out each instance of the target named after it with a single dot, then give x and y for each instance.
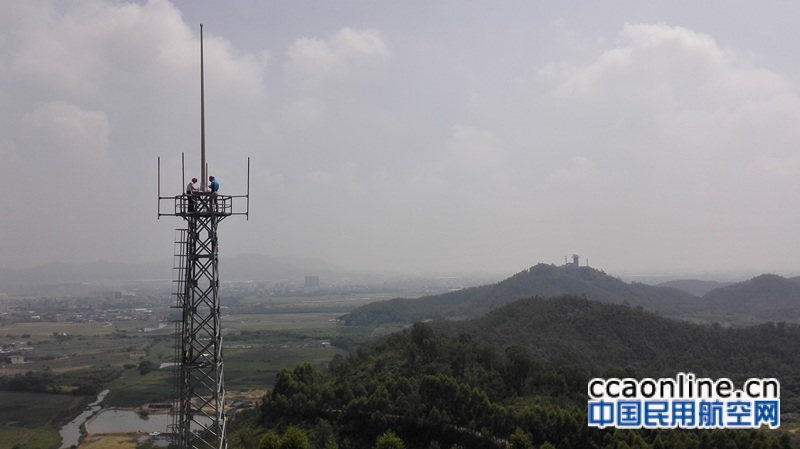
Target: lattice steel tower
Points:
(199, 412)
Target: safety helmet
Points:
(194, 179)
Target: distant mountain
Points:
(540, 280)
(64, 273)
(244, 267)
(695, 287)
(256, 267)
(764, 298)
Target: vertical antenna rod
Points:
(203, 177)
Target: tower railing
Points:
(204, 203)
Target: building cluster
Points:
(82, 310)
(15, 353)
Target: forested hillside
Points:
(600, 336)
(518, 377)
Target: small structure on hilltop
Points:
(575, 260)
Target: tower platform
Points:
(203, 204)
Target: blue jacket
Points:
(214, 185)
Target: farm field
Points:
(260, 337)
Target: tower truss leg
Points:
(200, 419)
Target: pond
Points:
(98, 420)
(111, 420)
(125, 421)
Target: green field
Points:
(132, 389)
(256, 347)
(61, 347)
(33, 419)
(11, 436)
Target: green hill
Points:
(526, 366)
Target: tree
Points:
(389, 441)
(145, 366)
(244, 438)
(269, 441)
(294, 438)
(520, 440)
(519, 367)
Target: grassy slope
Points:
(34, 419)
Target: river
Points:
(71, 433)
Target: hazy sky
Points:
(409, 135)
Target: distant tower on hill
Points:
(575, 261)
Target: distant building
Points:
(575, 261)
(312, 282)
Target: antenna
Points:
(203, 167)
(183, 169)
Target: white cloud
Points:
(354, 43)
(475, 160)
(626, 135)
(657, 63)
(580, 172)
(67, 131)
(99, 45)
(305, 112)
(675, 91)
(312, 61)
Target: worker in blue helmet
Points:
(213, 184)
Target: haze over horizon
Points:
(419, 136)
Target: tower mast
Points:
(203, 177)
(199, 420)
